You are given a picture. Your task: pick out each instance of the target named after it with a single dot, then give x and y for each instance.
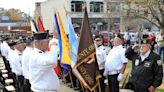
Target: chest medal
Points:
(147, 64)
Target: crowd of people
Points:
(31, 65)
(147, 71)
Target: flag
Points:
(59, 37)
(66, 59)
(33, 26)
(66, 68)
(40, 24)
(73, 48)
(86, 64)
(73, 41)
(57, 68)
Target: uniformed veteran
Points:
(115, 65)
(25, 62)
(101, 56)
(147, 70)
(41, 74)
(17, 63)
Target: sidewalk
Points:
(161, 87)
(65, 88)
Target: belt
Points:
(113, 72)
(42, 90)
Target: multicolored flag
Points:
(73, 41)
(86, 65)
(62, 42)
(40, 24)
(66, 58)
(33, 26)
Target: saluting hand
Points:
(136, 46)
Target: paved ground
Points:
(65, 88)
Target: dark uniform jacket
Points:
(145, 73)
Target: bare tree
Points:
(150, 10)
(14, 14)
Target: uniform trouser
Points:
(2, 79)
(7, 65)
(27, 85)
(113, 83)
(20, 80)
(67, 78)
(140, 90)
(4, 59)
(102, 84)
(15, 81)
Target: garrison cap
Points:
(20, 40)
(40, 36)
(145, 41)
(29, 39)
(12, 43)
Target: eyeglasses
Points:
(97, 40)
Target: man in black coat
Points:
(147, 72)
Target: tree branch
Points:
(154, 14)
(148, 20)
(160, 7)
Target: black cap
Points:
(29, 39)
(98, 37)
(145, 36)
(76, 27)
(145, 41)
(40, 36)
(20, 40)
(12, 43)
(50, 36)
(121, 37)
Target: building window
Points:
(96, 7)
(76, 6)
(113, 7)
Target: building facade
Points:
(103, 14)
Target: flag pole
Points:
(61, 73)
(99, 86)
(71, 79)
(82, 86)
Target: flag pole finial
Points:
(65, 11)
(84, 5)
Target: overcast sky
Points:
(25, 5)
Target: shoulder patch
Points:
(159, 62)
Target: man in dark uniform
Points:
(147, 70)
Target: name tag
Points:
(137, 62)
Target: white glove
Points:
(120, 77)
(105, 74)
